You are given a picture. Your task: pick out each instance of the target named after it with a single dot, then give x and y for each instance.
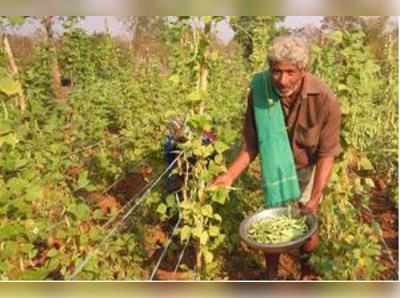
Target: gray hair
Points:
(289, 49)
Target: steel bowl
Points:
(311, 221)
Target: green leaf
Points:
(219, 195)
(200, 121)
(369, 182)
(371, 251)
(337, 36)
(16, 20)
(162, 209)
(342, 87)
(186, 205)
(10, 248)
(17, 185)
(220, 147)
(81, 211)
(208, 256)
(52, 252)
(83, 180)
(197, 231)
(194, 96)
(217, 217)
(207, 210)
(171, 202)
(365, 164)
(9, 86)
(185, 232)
(214, 231)
(204, 238)
(33, 193)
(98, 214)
(207, 19)
(53, 264)
(376, 227)
(174, 79)
(326, 265)
(10, 139)
(214, 56)
(83, 239)
(26, 248)
(38, 274)
(5, 127)
(5, 196)
(95, 234)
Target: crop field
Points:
(87, 191)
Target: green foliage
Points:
(85, 57)
(8, 86)
(254, 34)
(12, 20)
(345, 62)
(200, 206)
(115, 116)
(350, 248)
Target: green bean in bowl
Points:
(277, 229)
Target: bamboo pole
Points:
(59, 92)
(21, 99)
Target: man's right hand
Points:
(224, 180)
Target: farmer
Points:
(293, 121)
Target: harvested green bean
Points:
(277, 229)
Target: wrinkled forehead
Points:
(285, 66)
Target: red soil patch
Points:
(132, 184)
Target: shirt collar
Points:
(309, 85)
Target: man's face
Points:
(286, 78)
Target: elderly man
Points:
(293, 122)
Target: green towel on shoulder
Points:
(279, 177)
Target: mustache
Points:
(289, 90)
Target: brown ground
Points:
(131, 185)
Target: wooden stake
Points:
(21, 100)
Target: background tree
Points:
(254, 35)
(376, 29)
(10, 83)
